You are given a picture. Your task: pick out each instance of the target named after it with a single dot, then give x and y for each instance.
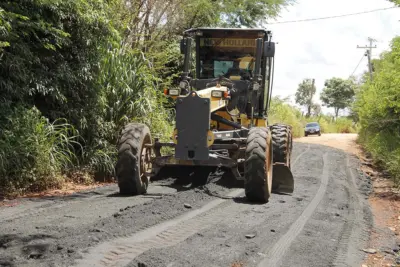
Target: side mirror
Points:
(183, 45)
(269, 49)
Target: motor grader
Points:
(221, 107)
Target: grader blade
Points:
(282, 179)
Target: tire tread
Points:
(127, 168)
(255, 177)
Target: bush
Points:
(33, 151)
(385, 150)
(378, 108)
(50, 53)
(344, 125)
(325, 124)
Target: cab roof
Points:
(225, 30)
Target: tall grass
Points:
(384, 147)
(129, 92)
(34, 152)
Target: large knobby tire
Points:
(130, 164)
(282, 142)
(258, 165)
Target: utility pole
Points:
(368, 53)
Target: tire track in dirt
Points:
(124, 254)
(355, 227)
(275, 255)
(300, 155)
(121, 251)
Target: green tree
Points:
(250, 13)
(338, 93)
(52, 54)
(49, 58)
(305, 93)
(155, 27)
(148, 23)
(395, 1)
(316, 109)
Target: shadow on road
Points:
(244, 200)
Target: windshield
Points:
(232, 58)
(312, 125)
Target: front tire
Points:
(258, 165)
(133, 159)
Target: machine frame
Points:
(220, 121)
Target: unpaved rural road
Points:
(324, 223)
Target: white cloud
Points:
(324, 49)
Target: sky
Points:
(324, 49)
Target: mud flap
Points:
(282, 179)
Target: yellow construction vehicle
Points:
(221, 118)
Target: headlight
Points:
(256, 86)
(216, 93)
(173, 91)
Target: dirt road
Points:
(324, 223)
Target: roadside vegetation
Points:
(74, 72)
(377, 107)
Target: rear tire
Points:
(132, 164)
(258, 165)
(282, 141)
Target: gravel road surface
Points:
(325, 222)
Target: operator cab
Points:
(230, 53)
(231, 58)
(239, 58)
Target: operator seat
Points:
(235, 72)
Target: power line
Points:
(358, 65)
(332, 17)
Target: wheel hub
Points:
(145, 163)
